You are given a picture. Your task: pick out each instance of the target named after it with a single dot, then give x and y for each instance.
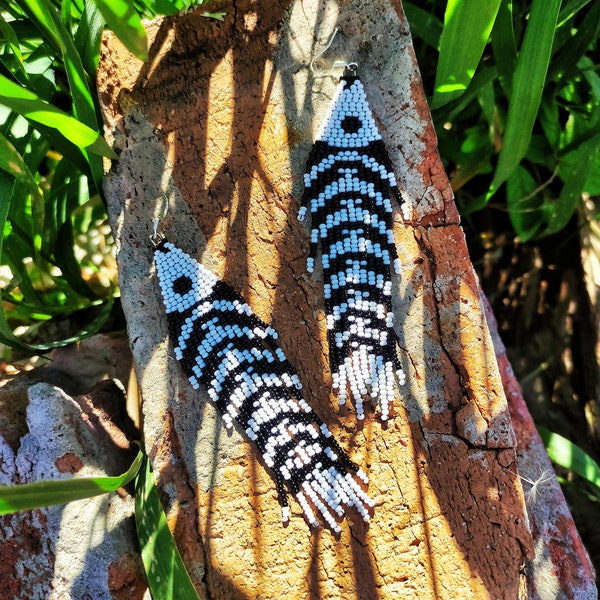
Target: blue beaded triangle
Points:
(226, 349)
(349, 184)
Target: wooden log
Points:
(221, 119)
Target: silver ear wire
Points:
(338, 64)
(156, 237)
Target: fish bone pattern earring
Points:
(226, 349)
(349, 184)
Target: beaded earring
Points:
(349, 183)
(225, 348)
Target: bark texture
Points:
(221, 119)
(85, 549)
(561, 567)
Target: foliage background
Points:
(515, 97)
(516, 104)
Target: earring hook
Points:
(157, 237)
(336, 65)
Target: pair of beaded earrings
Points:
(225, 348)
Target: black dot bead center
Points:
(351, 124)
(182, 285)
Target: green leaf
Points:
(27, 496)
(473, 157)
(60, 202)
(65, 13)
(26, 103)
(523, 204)
(467, 27)
(10, 36)
(88, 37)
(8, 338)
(504, 45)
(549, 120)
(453, 110)
(12, 162)
(122, 17)
(68, 263)
(574, 169)
(167, 576)
(574, 43)
(488, 106)
(219, 16)
(49, 22)
(163, 7)
(540, 152)
(423, 24)
(572, 7)
(570, 456)
(592, 182)
(527, 86)
(7, 187)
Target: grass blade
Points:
(524, 203)
(570, 456)
(167, 576)
(8, 338)
(48, 20)
(28, 104)
(163, 7)
(576, 43)
(12, 162)
(572, 7)
(527, 86)
(574, 169)
(122, 17)
(11, 38)
(483, 78)
(467, 26)
(504, 45)
(15, 249)
(68, 263)
(88, 37)
(27, 496)
(423, 24)
(7, 187)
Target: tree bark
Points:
(221, 119)
(57, 421)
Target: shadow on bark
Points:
(238, 203)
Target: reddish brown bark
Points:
(221, 119)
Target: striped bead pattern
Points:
(224, 348)
(349, 183)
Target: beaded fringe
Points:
(223, 347)
(349, 182)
